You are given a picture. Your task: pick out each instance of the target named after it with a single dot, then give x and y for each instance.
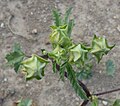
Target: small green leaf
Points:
(70, 27)
(25, 102)
(34, 67)
(17, 47)
(110, 67)
(54, 67)
(57, 18)
(67, 14)
(116, 103)
(15, 57)
(62, 71)
(84, 74)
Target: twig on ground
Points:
(106, 92)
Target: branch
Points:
(106, 92)
(84, 103)
(84, 87)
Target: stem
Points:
(84, 87)
(84, 103)
(106, 92)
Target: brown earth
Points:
(19, 21)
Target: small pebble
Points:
(34, 31)
(48, 83)
(31, 93)
(77, 103)
(2, 25)
(105, 103)
(77, 99)
(100, 71)
(5, 80)
(31, 13)
(26, 85)
(114, 17)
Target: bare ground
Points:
(19, 19)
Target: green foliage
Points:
(62, 71)
(73, 80)
(117, 102)
(70, 27)
(58, 21)
(57, 18)
(25, 102)
(84, 74)
(67, 14)
(66, 54)
(54, 66)
(110, 67)
(15, 57)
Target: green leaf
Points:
(100, 47)
(110, 67)
(72, 77)
(25, 102)
(67, 14)
(15, 57)
(17, 47)
(70, 27)
(94, 101)
(62, 71)
(84, 74)
(34, 67)
(17, 65)
(54, 67)
(116, 103)
(57, 18)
